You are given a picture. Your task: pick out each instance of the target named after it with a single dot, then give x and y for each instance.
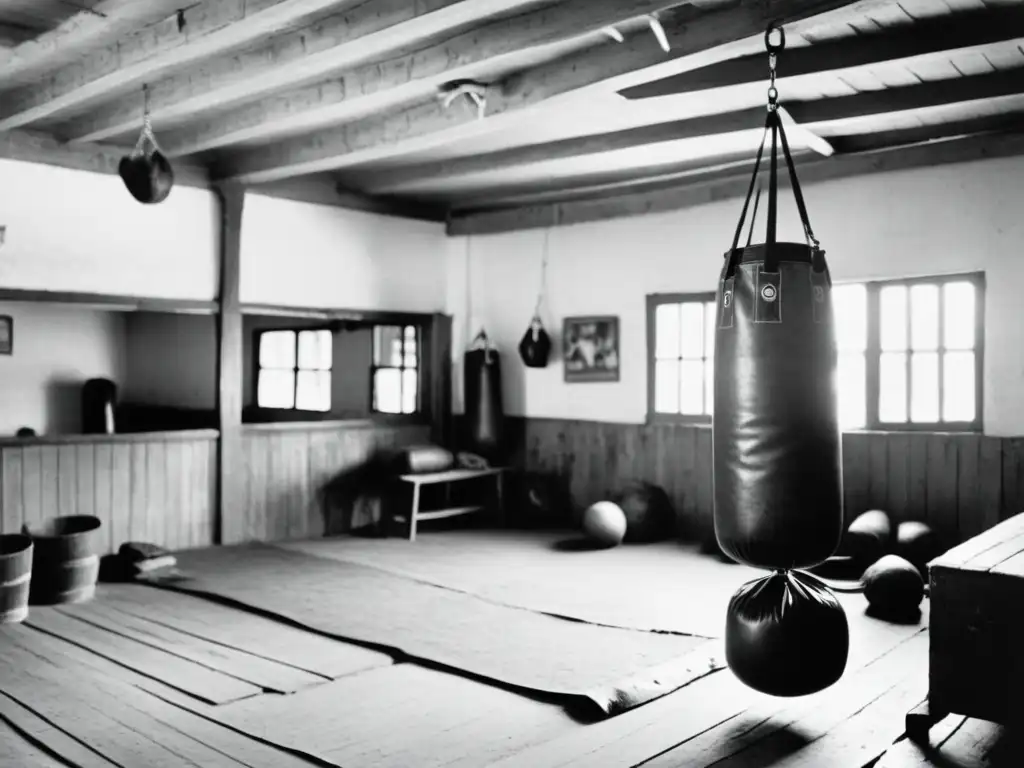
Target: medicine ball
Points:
(786, 635)
(893, 587)
(648, 510)
(605, 523)
(148, 177)
(868, 537)
(917, 543)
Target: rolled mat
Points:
(616, 669)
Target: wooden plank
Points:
(230, 477)
(244, 631)
(67, 481)
(878, 471)
(120, 494)
(255, 670)
(204, 494)
(138, 528)
(85, 480)
(705, 481)
(967, 551)
(898, 477)
(856, 473)
(32, 483)
(1013, 477)
(990, 484)
(16, 750)
(942, 488)
(26, 724)
(918, 470)
(13, 514)
(50, 481)
(156, 492)
(103, 490)
(174, 511)
(202, 683)
(968, 520)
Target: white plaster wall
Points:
(307, 255)
(71, 230)
(56, 348)
(946, 219)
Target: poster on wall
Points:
(6, 334)
(591, 348)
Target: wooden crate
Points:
(977, 627)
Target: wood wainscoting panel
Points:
(961, 484)
(288, 465)
(157, 487)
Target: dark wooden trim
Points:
(230, 515)
(113, 302)
(672, 196)
(366, 316)
(177, 435)
(333, 424)
(324, 192)
(439, 379)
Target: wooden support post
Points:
(231, 469)
(440, 384)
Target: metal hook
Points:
(772, 47)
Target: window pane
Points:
(387, 342)
(387, 390)
(924, 317)
(958, 315)
(924, 387)
(691, 387)
(892, 387)
(410, 353)
(277, 349)
(276, 389)
(315, 350)
(851, 374)
(709, 386)
(958, 387)
(409, 393)
(850, 304)
(892, 321)
(666, 331)
(313, 391)
(710, 325)
(691, 329)
(666, 386)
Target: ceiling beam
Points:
(806, 113)
(407, 78)
(192, 34)
(689, 30)
(67, 42)
(734, 185)
(366, 32)
(320, 191)
(921, 38)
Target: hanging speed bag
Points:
(484, 408)
(777, 450)
(535, 346)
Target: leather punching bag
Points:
(485, 415)
(777, 462)
(146, 172)
(535, 346)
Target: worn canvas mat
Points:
(612, 667)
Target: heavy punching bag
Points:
(485, 417)
(777, 464)
(99, 403)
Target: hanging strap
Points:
(773, 124)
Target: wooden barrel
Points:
(15, 576)
(66, 565)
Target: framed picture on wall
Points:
(6, 335)
(590, 347)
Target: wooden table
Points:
(976, 653)
(447, 477)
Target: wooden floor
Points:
(147, 677)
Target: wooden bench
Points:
(447, 477)
(976, 654)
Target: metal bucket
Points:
(66, 565)
(15, 577)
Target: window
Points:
(396, 368)
(910, 354)
(681, 333)
(294, 369)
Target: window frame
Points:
(296, 329)
(420, 334)
(655, 300)
(872, 354)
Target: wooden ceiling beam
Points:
(194, 33)
(407, 78)
(807, 113)
(366, 32)
(923, 37)
(689, 30)
(733, 185)
(107, 21)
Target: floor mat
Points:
(614, 668)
